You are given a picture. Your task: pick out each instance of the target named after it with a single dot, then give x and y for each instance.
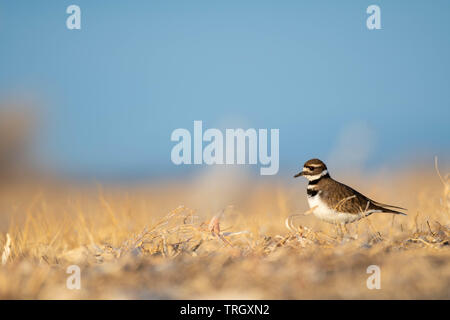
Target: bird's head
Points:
(313, 169)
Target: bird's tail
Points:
(387, 208)
(392, 211)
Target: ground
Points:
(240, 240)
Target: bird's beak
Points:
(298, 174)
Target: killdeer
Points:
(335, 202)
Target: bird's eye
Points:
(311, 168)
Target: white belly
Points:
(323, 212)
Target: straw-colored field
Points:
(154, 242)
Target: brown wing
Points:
(346, 199)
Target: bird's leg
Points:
(339, 232)
(345, 233)
(345, 227)
(375, 232)
(336, 231)
(354, 232)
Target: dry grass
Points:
(132, 243)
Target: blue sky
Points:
(116, 89)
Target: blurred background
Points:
(101, 102)
(86, 176)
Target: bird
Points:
(335, 202)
